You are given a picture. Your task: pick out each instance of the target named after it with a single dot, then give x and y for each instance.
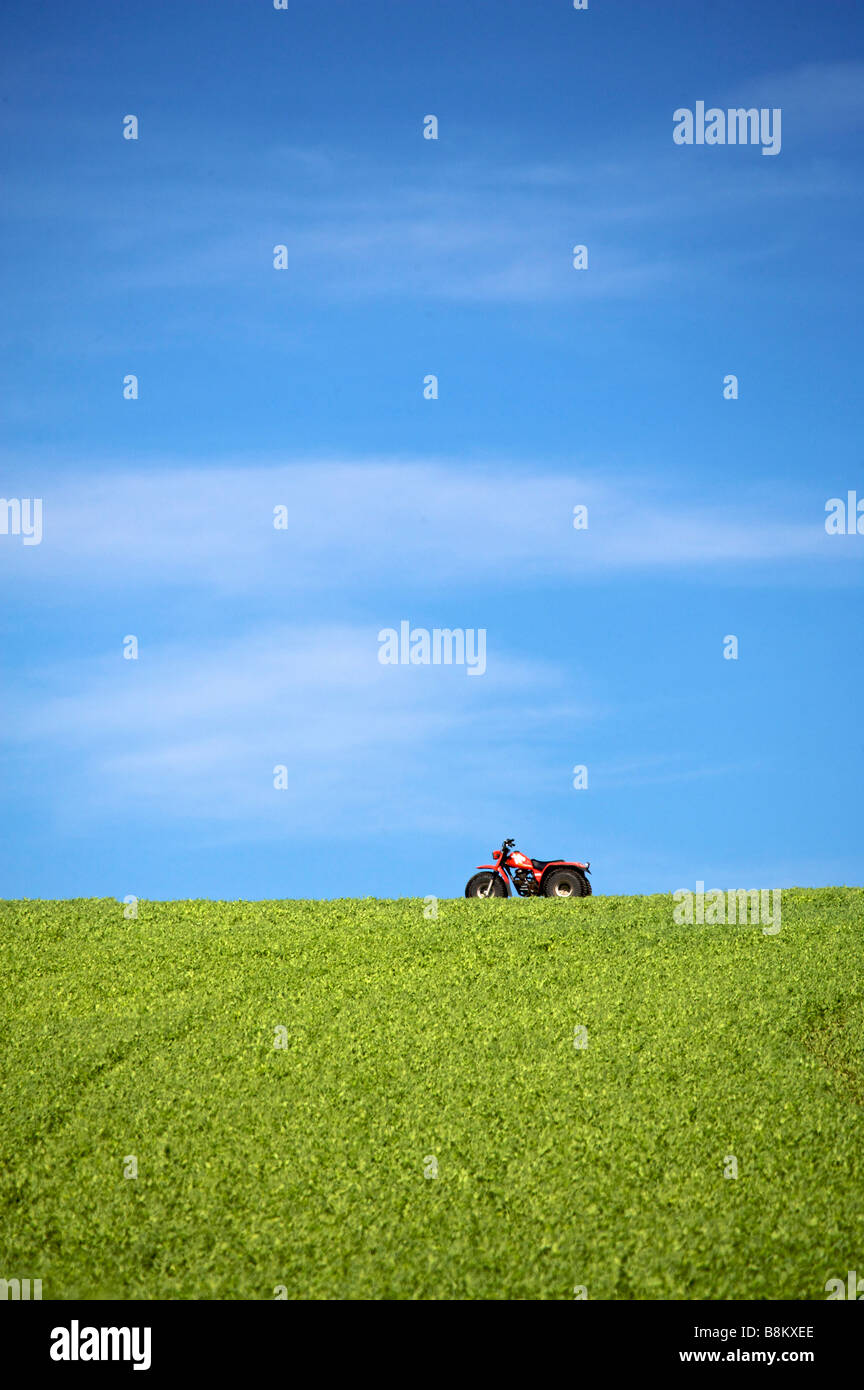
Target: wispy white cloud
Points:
(433, 524)
(195, 730)
(463, 226)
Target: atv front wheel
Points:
(566, 883)
(485, 886)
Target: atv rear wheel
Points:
(566, 883)
(485, 886)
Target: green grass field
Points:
(410, 1040)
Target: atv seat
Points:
(540, 864)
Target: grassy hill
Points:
(288, 1076)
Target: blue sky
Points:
(303, 387)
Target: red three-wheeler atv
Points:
(551, 878)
